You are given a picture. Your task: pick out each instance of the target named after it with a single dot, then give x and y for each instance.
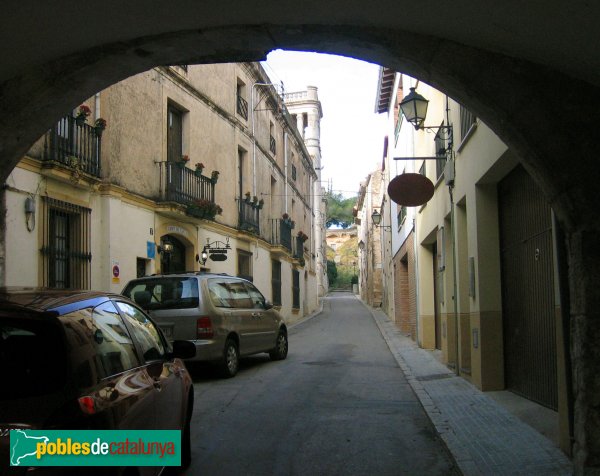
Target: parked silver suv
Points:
(224, 316)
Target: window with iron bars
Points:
(295, 289)
(66, 245)
(401, 216)
(272, 141)
(441, 145)
(467, 121)
(244, 263)
(276, 282)
(242, 104)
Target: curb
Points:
(480, 436)
(309, 317)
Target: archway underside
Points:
(547, 118)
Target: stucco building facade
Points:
(476, 269)
(192, 158)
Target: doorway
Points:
(172, 258)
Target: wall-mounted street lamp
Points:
(165, 247)
(361, 245)
(411, 189)
(376, 219)
(216, 251)
(204, 256)
(414, 108)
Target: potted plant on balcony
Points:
(303, 236)
(99, 126)
(247, 199)
(203, 208)
(287, 221)
(183, 162)
(82, 114)
(260, 204)
(214, 177)
(199, 169)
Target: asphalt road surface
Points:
(338, 405)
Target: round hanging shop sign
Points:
(410, 190)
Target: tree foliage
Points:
(331, 272)
(339, 210)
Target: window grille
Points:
(66, 247)
(441, 144)
(467, 121)
(245, 265)
(276, 282)
(295, 289)
(401, 216)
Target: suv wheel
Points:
(231, 359)
(281, 347)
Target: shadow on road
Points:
(208, 372)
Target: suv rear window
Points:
(32, 356)
(163, 293)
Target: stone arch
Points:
(517, 99)
(549, 119)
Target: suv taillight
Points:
(204, 329)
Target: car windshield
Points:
(32, 358)
(163, 293)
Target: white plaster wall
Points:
(22, 250)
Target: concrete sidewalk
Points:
(483, 437)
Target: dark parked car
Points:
(88, 360)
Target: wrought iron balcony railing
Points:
(281, 233)
(75, 144)
(183, 185)
(249, 217)
(242, 107)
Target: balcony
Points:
(281, 234)
(74, 144)
(249, 217)
(183, 185)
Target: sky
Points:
(352, 133)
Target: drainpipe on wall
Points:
(253, 141)
(97, 106)
(417, 307)
(285, 170)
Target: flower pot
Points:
(80, 120)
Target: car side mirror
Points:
(183, 349)
(268, 305)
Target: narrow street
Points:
(339, 405)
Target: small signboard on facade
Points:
(150, 249)
(116, 272)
